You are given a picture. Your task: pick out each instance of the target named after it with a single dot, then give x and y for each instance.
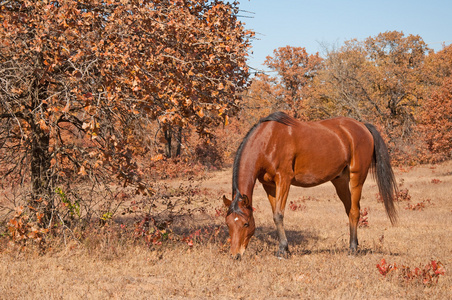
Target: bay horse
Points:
(281, 151)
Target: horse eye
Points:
(246, 225)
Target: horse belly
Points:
(318, 169)
(310, 179)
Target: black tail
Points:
(381, 167)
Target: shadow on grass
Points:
(299, 237)
(305, 242)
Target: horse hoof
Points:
(352, 252)
(237, 257)
(282, 254)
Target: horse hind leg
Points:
(278, 201)
(350, 195)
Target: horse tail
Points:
(381, 168)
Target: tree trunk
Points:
(179, 141)
(41, 176)
(168, 138)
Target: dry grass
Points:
(320, 266)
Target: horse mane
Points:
(279, 117)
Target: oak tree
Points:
(435, 116)
(81, 80)
(379, 80)
(294, 71)
(436, 122)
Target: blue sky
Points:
(308, 24)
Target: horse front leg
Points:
(278, 197)
(283, 250)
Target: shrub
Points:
(420, 205)
(427, 275)
(363, 218)
(27, 226)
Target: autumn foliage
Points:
(436, 121)
(85, 82)
(296, 70)
(427, 275)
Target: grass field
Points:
(319, 267)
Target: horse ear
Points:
(226, 201)
(246, 201)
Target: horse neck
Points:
(247, 175)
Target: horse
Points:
(281, 151)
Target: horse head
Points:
(240, 221)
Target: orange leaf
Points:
(82, 171)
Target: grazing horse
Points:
(281, 151)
